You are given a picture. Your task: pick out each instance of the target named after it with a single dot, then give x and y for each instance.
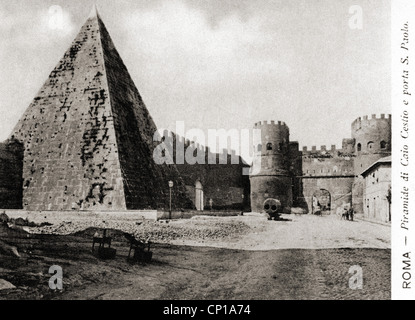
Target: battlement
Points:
(271, 123)
(323, 148)
(179, 140)
(366, 118)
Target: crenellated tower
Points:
(372, 140)
(270, 176)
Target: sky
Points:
(217, 64)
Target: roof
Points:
(377, 163)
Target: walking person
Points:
(345, 214)
(351, 213)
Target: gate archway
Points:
(321, 202)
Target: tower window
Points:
(359, 147)
(383, 145)
(269, 146)
(370, 145)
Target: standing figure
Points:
(345, 214)
(351, 213)
(211, 203)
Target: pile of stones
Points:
(191, 231)
(156, 231)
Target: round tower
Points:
(372, 140)
(270, 174)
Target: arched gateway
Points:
(321, 204)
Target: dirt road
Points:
(258, 264)
(305, 232)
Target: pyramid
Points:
(88, 137)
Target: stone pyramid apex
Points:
(94, 12)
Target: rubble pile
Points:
(191, 231)
(156, 231)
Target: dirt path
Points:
(303, 232)
(306, 258)
(221, 274)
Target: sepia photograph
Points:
(201, 150)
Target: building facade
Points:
(377, 191)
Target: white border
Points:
(402, 11)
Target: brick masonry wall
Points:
(11, 167)
(223, 183)
(327, 163)
(264, 187)
(327, 169)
